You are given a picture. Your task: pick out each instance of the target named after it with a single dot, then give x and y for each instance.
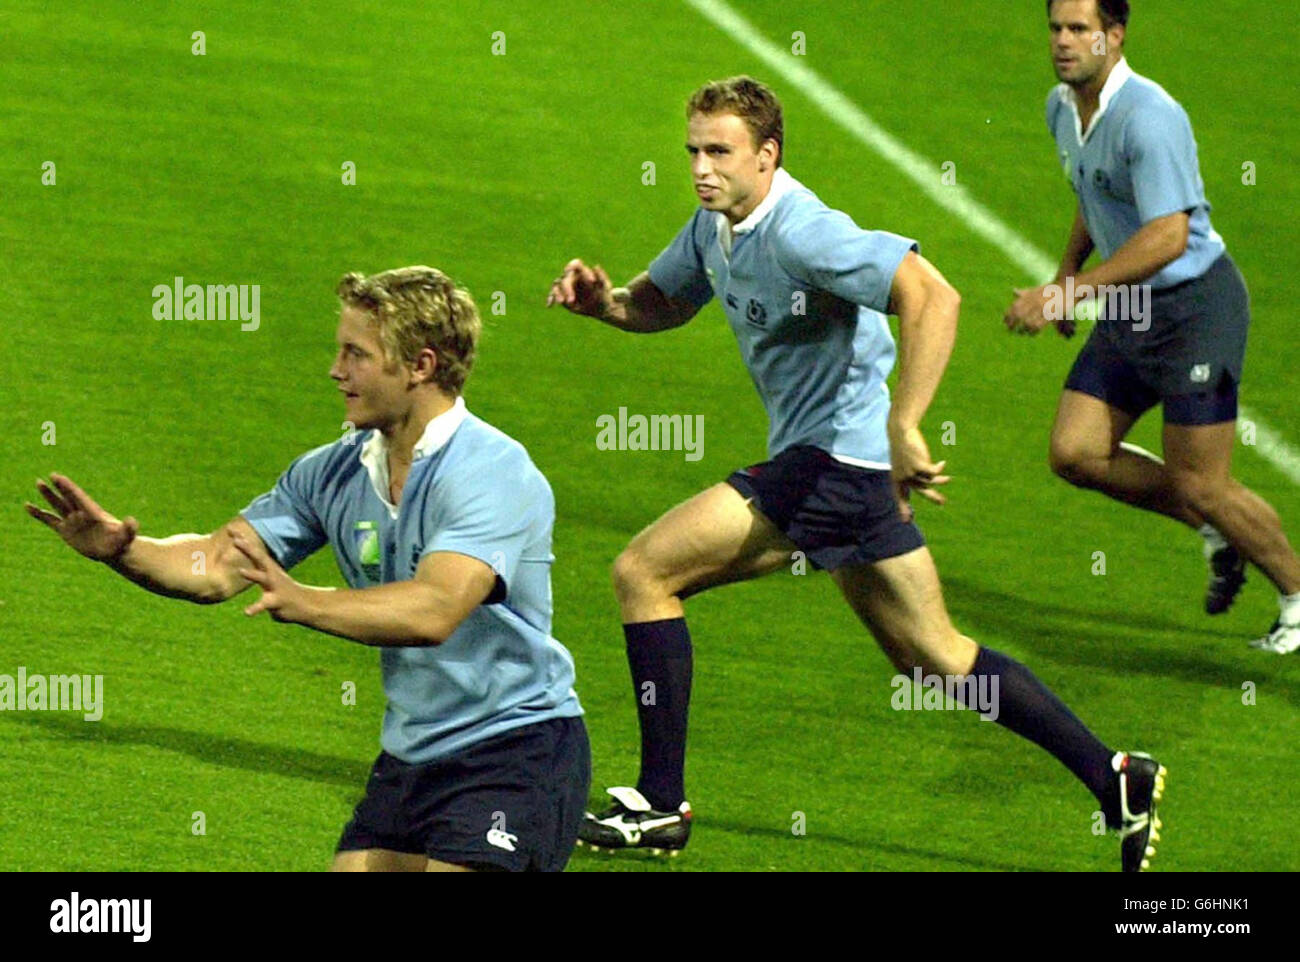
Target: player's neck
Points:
(1088, 94)
(740, 212)
(405, 433)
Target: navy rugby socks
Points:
(659, 654)
(1029, 708)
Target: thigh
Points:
(378, 860)
(1088, 428)
(901, 601)
(433, 865)
(715, 538)
(1105, 392)
(1202, 450)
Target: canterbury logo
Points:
(502, 839)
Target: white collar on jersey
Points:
(374, 453)
(782, 184)
(1119, 75)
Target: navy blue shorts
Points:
(513, 801)
(1189, 358)
(837, 514)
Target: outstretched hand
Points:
(79, 521)
(283, 597)
(581, 289)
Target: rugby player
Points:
(806, 292)
(1128, 150)
(441, 525)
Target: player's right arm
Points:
(1027, 313)
(200, 568)
(640, 307)
(1077, 250)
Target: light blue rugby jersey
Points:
(1137, 163)
(805, 290)
(472, 490)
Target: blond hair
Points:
(750, 100)
(415, 308)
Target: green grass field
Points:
(226, 168)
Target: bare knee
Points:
(626, 574)
(946, 653)
(1203, 494)
(1072, 464)
(635, 577)
(954, 654)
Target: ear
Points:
(426, 362)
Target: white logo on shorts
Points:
(502, 839)
(1200, 373)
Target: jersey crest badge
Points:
(366, 540)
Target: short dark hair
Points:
(1111, 11)
(750, 100)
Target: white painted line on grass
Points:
(1269, 443)
(926, 175)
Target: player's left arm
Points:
(422, 611)
(927, 307)
(1160, 151)
(1156, 245)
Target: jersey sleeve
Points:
(678, 271)
(494, 516)
(1050, 108)
(831, 253)
(1161, 151)
(285, 518)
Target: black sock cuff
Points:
(989, 662)
(669, 636)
